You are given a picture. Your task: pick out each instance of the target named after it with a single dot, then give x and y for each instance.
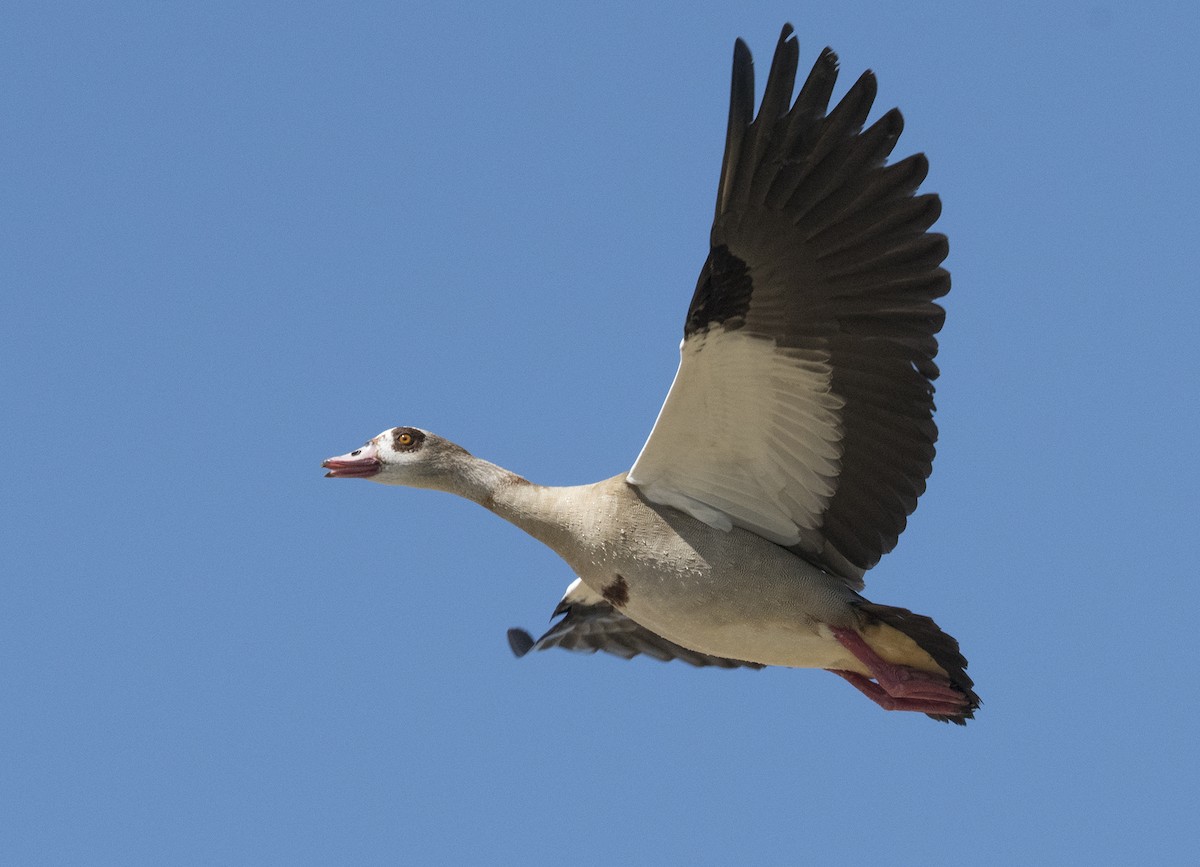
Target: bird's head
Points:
(400, 456)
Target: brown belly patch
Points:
(617, 593)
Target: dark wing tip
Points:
(520, 641)
(893, 121)
(851, 111)
(920, 167)
(741, 113)
(827, 60)
(743, 60)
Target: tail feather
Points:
(938, 644)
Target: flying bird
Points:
(796, 437)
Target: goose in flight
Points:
(796, 437)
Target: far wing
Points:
(591, 624)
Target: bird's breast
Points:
(726, 593)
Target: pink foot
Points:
(875, 692)
(900, 687)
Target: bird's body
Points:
(796, 437)
(724, 593)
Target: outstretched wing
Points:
(591, 624)
(803, 405)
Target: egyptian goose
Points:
(796, 437)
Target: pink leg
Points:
(900, 687)
(875, 692)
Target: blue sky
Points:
(239, 238)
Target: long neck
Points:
(479, 481)
(531, 507)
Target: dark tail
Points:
(941, 646)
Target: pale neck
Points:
(514, 498)
(478, 480)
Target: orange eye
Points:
(407, 439)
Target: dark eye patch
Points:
(413, 436)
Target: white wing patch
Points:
(579, 593)
(750, 434)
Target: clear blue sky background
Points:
(237, 238)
